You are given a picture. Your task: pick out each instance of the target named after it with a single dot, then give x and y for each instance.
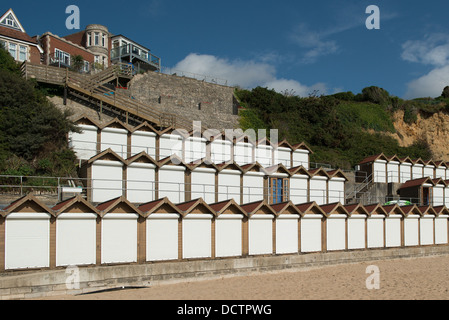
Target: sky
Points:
(321, 46)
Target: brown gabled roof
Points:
(76, 38)
(299, 170)
(115, 123)
(142, 156)
(145, 127)
(228, 165)
(416, 182)
(172, 130)
(278, 168)
(23, 202)
(406, 159)
(173, 159)
(301, 145)
(107, 153)
(153, 206)
(248, 167)
(427, 210)
(257, 206)
(375, 209)
(108, 206)
(418, 161)
(439, 181)
(283, 144)
(373, 158)
(310, 208)
(83, 119)
(441, 210)
(440, 163)
(17, 34)
(354, 209)
(411, 209)
(318, 171)
(195, 205)
(63, 206)
(335, 173)
(227, 206)
(334, 208)
(285, 207)
(393, 209)
(201, 163)
(394, 158)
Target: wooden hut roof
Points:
(117, 205)
(195, 206)
(416, 182)
(375, 209)
(116, 123)
(145, 127)
(163, 205)
(108, 154)
(310, 208)
(227, 207)
(373, 158)
(75, 204)
(302, 146)
(26, 203)
(285, 208)
(299, 170)
(334, 208)
(393, 209)
(258, 207)
(142, 157)
(411, 209)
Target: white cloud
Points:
(429, 85)
(246, 74)
(433, 50)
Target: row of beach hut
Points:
(216, 146)
(141, 179)
(75, 232)
(384, 169)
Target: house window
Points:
(62, 57)
(22, 53)
(279, 190)
(97, 39)
(13, 50)
(10, 22)
(89, 39)
(86, 66)
(104, 41)
(3, 44)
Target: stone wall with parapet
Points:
(212, 104)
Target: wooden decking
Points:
(93, 90)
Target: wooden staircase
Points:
(93, 89)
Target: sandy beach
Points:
(403, 279)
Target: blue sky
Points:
(285, 44)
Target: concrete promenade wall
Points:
(35, 284)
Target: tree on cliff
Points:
(445, 93)
(31, 128)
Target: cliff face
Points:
(434, 130)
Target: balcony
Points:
(140, 59)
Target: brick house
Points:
(16, 41)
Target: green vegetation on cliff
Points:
(342, 129)
(33, 132)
